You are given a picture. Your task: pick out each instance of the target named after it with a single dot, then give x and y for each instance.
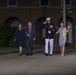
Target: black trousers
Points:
(29, 46)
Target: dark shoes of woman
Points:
(20, 54)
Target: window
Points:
(12, 3)
(44, 2)
(68, 2)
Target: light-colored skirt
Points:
(62, 41)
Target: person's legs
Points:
(20, 50)
(63, 49)
(46, 45)
(31, 47)
(27, 47)
(51, 46)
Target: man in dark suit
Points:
(49, 36)
(30, 36)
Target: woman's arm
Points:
(57, 31)
(67, 30)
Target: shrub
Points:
(7, 36)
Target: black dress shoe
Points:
(30, 54)
(46, 54)
(27, 54)
(50, 54)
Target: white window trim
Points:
(11, 5)
(67, 5)
(44, 5)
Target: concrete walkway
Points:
(39, 64)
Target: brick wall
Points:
(24, 13)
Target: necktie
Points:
(29, 31)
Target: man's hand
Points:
(25, 33)
(34, 38)
(15, 40)
(28, 35)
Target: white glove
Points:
(45, 22)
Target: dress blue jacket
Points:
(49, 32)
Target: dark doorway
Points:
(70, 33)
(40, 31)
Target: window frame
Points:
(67, 5)
(11, 5)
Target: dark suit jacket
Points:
(32, 33)
(19, 36)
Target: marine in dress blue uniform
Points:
(49, 36)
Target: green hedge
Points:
(7, 36)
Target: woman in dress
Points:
(19, 38)
(62, 37)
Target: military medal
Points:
(49, 32)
